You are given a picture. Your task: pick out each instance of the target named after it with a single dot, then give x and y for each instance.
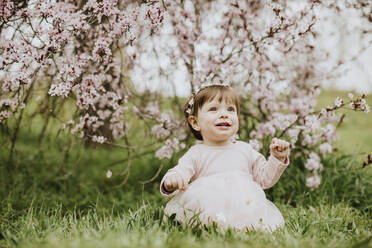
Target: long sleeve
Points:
(186, 167)
(266, 173)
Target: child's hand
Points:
(280, 149)
(174, 182)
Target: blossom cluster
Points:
(167, 128)
(72, 48)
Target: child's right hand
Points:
(175, 181)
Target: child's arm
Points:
(179, 176)
(267, 173)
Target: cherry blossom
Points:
(313, 162)
(108, 174)
(339, 102)
(313, 181)
(325, 148)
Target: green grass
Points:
(306, 226)
(50, 200)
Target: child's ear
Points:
(194, 122)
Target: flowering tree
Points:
(74, 48)
(87, 52)
(267, 50)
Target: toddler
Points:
(220, 180)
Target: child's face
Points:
(217, 122)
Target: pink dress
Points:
(226, 187)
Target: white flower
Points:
(323, 111)
(108, 174)
(313, 163)
(293, 134)
(152, 108)
(351, 96)
(325, 148)
(339, 102)
(98, 139)
(160, 132)
(313, 181)
(164, 152)
(282, 121)
(366, 109)
(364, 106)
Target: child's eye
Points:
(212, 109)
(231, 109)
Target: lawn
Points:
(54, 201)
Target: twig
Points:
(155, 176)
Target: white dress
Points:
(226, 187)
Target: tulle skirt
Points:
(230, 199)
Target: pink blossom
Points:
(312, 122)
(102, 8)
(264, 129)
(325, 148)
(152, 108)
(4, 115)
(102, 50)
(311, 140)
(293, 134)
(364, 106)
(6, 9)
(98, 139)
(329, 133)
(282, 121)
(171, 146)
(339, 102)
(313, 181)
(160, 132)
(108, 174)
(164, 152)
(313, 162)
(104, 114)
(302, 105)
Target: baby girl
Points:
(221, 181)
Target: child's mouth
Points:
(223, 124)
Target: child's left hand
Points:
(280, 149)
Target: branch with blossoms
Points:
(307, 134)
(72, 50)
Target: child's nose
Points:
(223, 114)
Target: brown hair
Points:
(205, 95)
